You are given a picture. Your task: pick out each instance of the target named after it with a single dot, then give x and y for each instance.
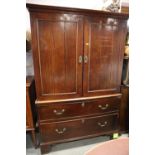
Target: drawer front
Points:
(75, 109)
(65, 130)
(102, 105)
(59, 110)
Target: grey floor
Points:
(71, 148)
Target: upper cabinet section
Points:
(76, 52)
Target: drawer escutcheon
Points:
(59, 112)
(83, 104)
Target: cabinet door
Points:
(57, 43)
(104, 40)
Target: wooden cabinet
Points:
(78, 57)
(124, 109)
(30, 107)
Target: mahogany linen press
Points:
(78, 58)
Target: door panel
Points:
(59, 47)
(104, 49)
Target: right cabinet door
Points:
(104, 42)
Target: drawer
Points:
(75, 109)
(78, 128)
(101, 106)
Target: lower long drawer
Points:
(72, 129)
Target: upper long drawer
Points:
(80, 108)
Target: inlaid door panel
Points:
(57, 53)
(103, 50)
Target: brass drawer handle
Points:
(59, 112)
(85, 59)
(60, 131)
(102, 125)
(103, 107)
(80, 59)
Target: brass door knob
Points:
(85, 59)
(80, 59)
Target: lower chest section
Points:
(67, 121)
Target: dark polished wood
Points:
(59, 73)
(90, 12)
(62, 130)
(124, 109)
(104, 47)
(41, 101)
(30, 109)
(69, 110)
(60, 67)
(78, 58)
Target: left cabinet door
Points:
(57, 45)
